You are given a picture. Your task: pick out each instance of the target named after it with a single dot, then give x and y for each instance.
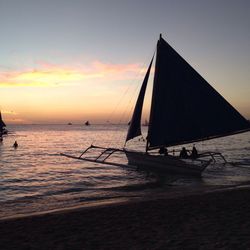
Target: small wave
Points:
(135, 187)
(105, 198)
(22, 201)
(65, 191)
(244, 163)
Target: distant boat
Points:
(184, 109)
(3, 129)
(87, 123)
(69, 123)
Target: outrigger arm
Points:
(107, 152)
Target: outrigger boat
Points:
(185, 108)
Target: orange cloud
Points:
(42, 77)
(47, 74)
(9, 112)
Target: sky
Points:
(71, 61)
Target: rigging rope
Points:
(129, 105)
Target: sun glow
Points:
(53, 75)
(52, 93)
(45, 78)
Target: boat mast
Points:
(155, 75)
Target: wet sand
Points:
(218, 220)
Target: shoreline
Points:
(177, 192)
(211, 220)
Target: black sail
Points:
(2, 124)
(135, 123)
(185, 108)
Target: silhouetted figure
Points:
(183, 153)
(163, 151)
(194, 153)
(87, 123)
(15, 145)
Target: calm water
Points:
(35, 178)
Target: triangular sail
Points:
(135, 123)
(2, 124)
(185, 108)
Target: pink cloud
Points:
(50, 74)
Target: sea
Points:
(35, 178)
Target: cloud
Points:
(115, 69)
(41, 77)
(48, 74)
(9, 112)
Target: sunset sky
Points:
(71, 61)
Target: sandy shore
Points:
(219, 220)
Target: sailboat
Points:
(3, 130)
(87, 123)
(185, 108)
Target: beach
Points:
(211, 220)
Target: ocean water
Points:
(35, 178)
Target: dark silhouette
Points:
(3, 130)
(163, 151)
(183, 153)
(15, 145)
(194, 153)
(87, 123)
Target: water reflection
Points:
(34, 177)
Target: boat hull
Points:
(169, 164)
